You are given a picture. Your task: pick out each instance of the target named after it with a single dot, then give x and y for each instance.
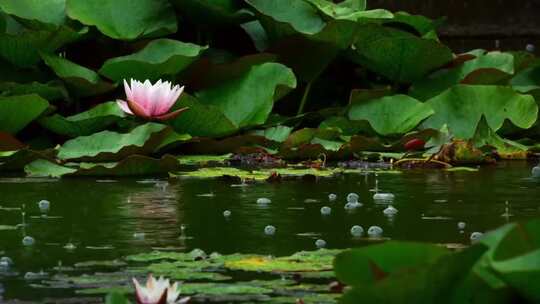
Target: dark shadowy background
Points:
(478, 23)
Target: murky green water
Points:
(108, 219)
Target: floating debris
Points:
(269, 230)
(332, 197)
(263, 201)
(476, 236)
(375, 232)
(44, 206)
(226, 213)
(320, 243)
(326, 210)
(390, 211)
(357, 231)
(28, 241)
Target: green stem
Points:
(304, 98)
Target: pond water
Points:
(108, 219)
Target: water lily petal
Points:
(127, 89)
(171, 115)
(124, 106)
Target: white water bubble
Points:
(5, 262)
(461, 225)
(476, 236)
(326, 210)
(44, 206)
(357, 231)
(320, 243)
(536, 172)
(269, 230)
(390, 211)
(332, 197)
(70, 247)
(263, 201)
(139, 235)
(28, 241)
(375, 231)
(227, 213)
(352, 197)
(384, 196)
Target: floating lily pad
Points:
(202, 160)
(110, 146)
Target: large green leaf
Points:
(516, 259)
(162, 57)
(461, 108)
(241, 102)
(43, 11)
(391, 115)
(22, 47)
(125, 19)
(202, 120)
(366, 265)
(50, 91)
(111, 146)
(429, 282)
(248, 100)
(398, 55)
(85, 123)
(81, 80)
(486, 68)
(300, 15)
(527, 81)
(16, 112)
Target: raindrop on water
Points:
(320, 243)
(476, 236)
(263, 201)
(5, 262)
(461, 225)
(326, 210)
(227, 213)
(269, 230)
(44, 206)
(390, 211)
(530, 48)
(35, 275)
(375, 231)
(198, 254)
(332, 197)
(352, 198)
(28, 241)
(357, 231)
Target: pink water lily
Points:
(151, 101)
(158, 291)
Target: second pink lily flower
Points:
(151, 101)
